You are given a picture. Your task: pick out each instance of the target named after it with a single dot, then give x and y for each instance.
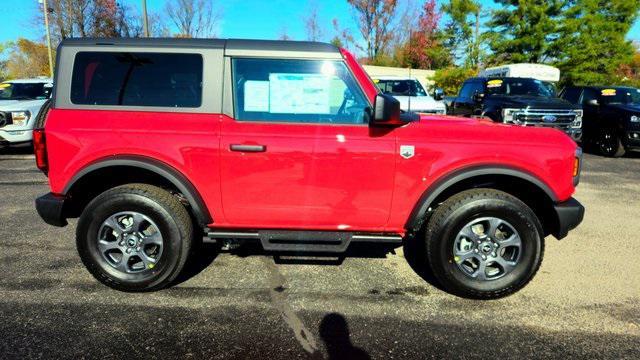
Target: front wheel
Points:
(610, 144)
(135, 237)
(484, 244)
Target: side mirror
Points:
(386, 111)
(478, 97)
(593, 102)
(438, 94)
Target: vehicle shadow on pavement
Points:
(203, 255)
(355, 250)
(334, 331)
(23, 150)
(415, 254)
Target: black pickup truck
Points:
(520, 101)
(611, 117)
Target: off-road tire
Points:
(171, 217)
(452, 215)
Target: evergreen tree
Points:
(593, 45)
(462, 32)
(523, 30)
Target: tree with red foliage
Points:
(423, 50)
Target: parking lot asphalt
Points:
(584, 302)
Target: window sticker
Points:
(609, 92)
(299, 93)
(256, 96)
(494, 83)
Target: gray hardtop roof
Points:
(227, 44)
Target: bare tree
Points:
(376, 21)
(312, 25)
(284, 34)
(193, 18)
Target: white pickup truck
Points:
(20, 102)
(411, 94)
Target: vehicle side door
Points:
(297, 151)
(591, 120)
(463, 104)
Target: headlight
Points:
(577, 123)
(507, 115)
(20, 118)
(634, 118)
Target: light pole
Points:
(145, 19)
(46, 25)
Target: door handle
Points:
(248, 148)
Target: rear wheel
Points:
(610, 144)
(484, 244)
(135, 237)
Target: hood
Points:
(17, 105)
(632, 108)
(419, 103)
(537, 102)
(472, 130)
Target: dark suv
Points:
(611, 117)
(520, 101)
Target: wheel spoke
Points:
(153, 239)
(481, 272)
(138, 219)
(512, 241)
(467, 232)
(106, 246)
(113, 223)
(505, 264)
(494, 223)
(147, 260)
(123, 265)
(462, 256)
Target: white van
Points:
(540, 72)
(412, 96)
(20, 102)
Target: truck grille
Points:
(548, 118)
(5, 118)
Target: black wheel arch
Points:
(525, 186)
(135, 168)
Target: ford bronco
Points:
(158, 143)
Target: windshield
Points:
(24, 91)
(620, 96)
(520, 87)
(401, 87)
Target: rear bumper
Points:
(569, 214)
(50, 207)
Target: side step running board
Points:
(306, 241)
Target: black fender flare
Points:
(446, 181)
(175, 177)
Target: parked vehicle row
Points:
(611, 117)
(154, 143)
(412, 95)
(20, 102)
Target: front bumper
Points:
(50, 207)
(14, 137)
(569, 214)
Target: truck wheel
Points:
(135, 237)
(610, 144)
(484, 244)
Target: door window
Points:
(589, 95)
(467, 90)
(572, 95)
(304, 91)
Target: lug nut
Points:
(128, 251)
(138, 248)
(475, 250)
(479, 242)
(121, 243)
(493, 254)
(484, 257)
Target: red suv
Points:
(154, 144)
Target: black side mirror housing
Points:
(438, 94)
(593, 102)
(386, 111)
(478, 97)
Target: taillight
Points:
(40, 150)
